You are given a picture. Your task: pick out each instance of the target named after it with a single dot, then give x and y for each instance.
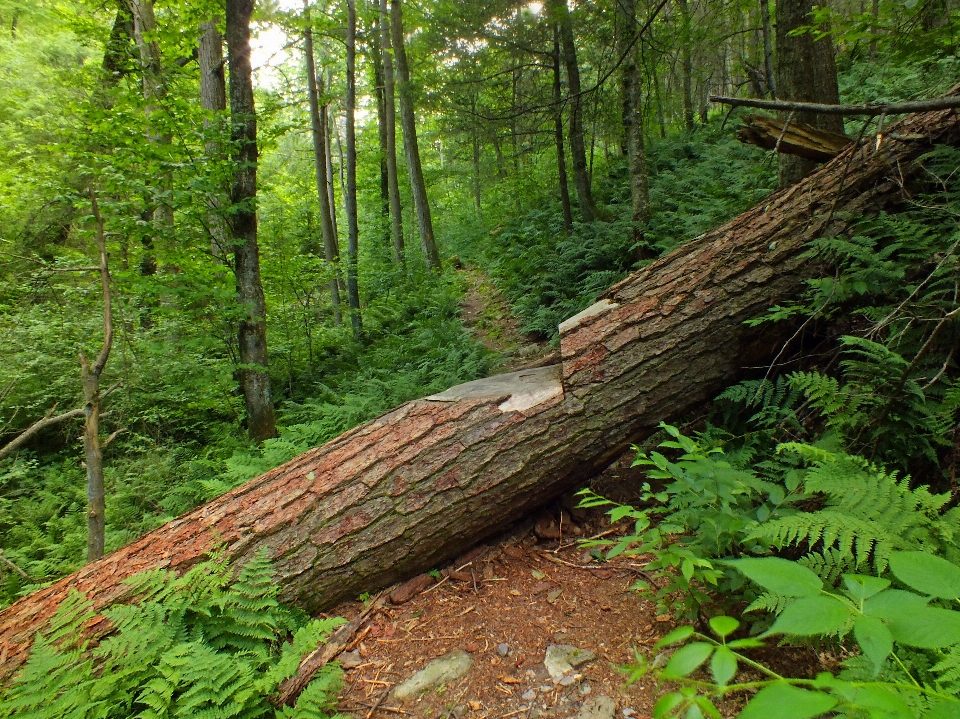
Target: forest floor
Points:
(504, 603)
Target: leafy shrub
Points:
(198, 645)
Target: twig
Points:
(871, 109)
(379, 701)
(15, 568)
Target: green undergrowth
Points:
(204, 644)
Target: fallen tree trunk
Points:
(417, 486)
(793, 138)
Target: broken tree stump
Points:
(795, 138)
(416, 486)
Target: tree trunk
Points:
(581, 178)
(768, 48)
(90, 379)
(686, 65)
(144, 27)
(558, 135)
(213, 99)
(415, 487)
(390, 121)
(350, 197)
(254, 379)
(806, 72)
(411, 147)
(330, 250)
(632, 103)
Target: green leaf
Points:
(811, 615)
(874, 639)
(537, 574)
(723, 626)
(945, 709)
(694, 712)
(747, 643)
(785, 701)
(618, 513)
(862, 586)
(880, 702)
(927, 573)
(925, 627)
(893, 602)
(686, 568)
(666, 704)
(723, 665)
(780, 576)
(686, 659)
(675, 637)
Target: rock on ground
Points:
(601, 707)
(442, 670)
(561, 659)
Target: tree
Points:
(350, 196)
(581, 178)
(411, 147)
(630, 83)
(441, 473)
(806, 72)
(558, 134)
(213, 98)
(318, 129)
(254, 378)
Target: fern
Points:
(198, 645)
(867, 514)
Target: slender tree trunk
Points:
(578, 152)
(330, 249)
(328, 130)
(213, 98)
(632, 103)
(376, 54)
(477, 189)
(558, 135)
(411, 147)
(350, 197)
(768, 47)
(390, 121)
(686, 65)
(90, 379)
(806, 71)
(144, 27)
(252, 335)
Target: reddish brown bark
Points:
(416, 486)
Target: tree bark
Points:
(252, 334)
(578, 152)
(417, 486)
(768, 48)
(632, 103)
(793, 139)
(350, 196)
(558, 135)
(807, 72)
(330, 250)
(213, 99)
(411, 147)
(390, 126)
(90, 373)
(686, 65)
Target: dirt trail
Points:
(504, 603)
(487, 315)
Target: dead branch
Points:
(872, 109)
(47, 421)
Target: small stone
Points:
(503, 649)
(601, 707)
(585, 688)
(475, 705)
(545, 688)
(567, 680)
(561, 659)
(351, 660)
(586, 557)
(628, 712)
(529, 695)
(471, 647)
(443, 670)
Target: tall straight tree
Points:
(350, 196)
(411, 147)
(252, 334)
(581, 176)
(390, 133)
(686, 64)
(213, 99)
(558, 134)
(159, 209)
(630, 83)
(331, 251)
(806, 72)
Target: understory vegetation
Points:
(816, 502)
